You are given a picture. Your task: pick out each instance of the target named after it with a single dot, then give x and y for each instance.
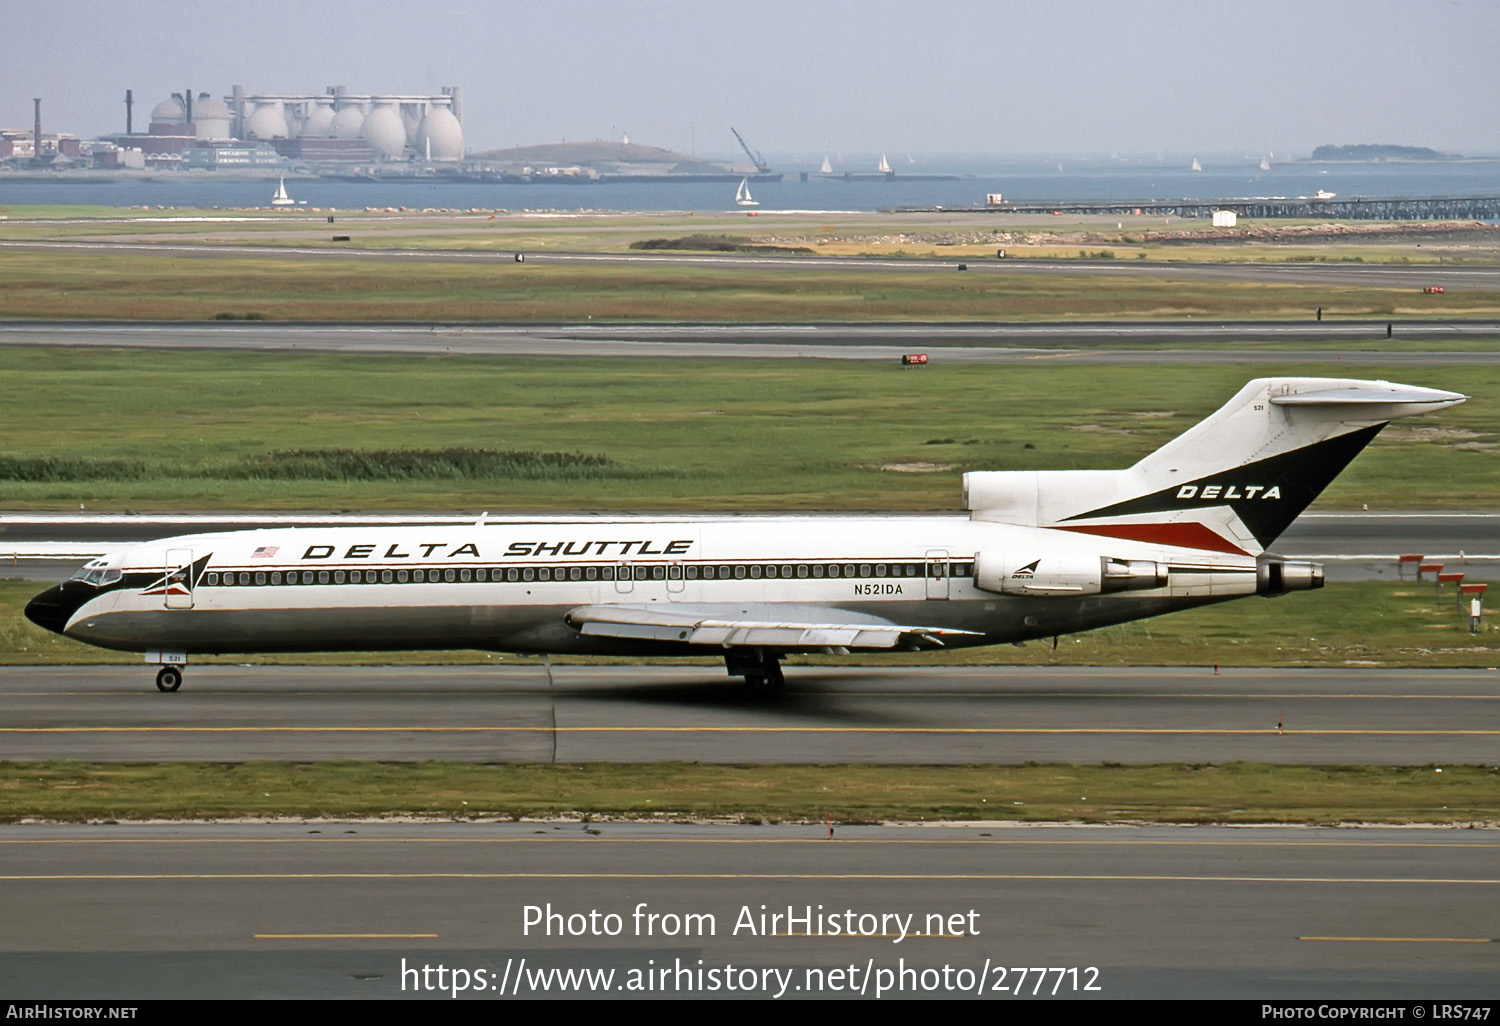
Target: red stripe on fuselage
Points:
(1187, 536)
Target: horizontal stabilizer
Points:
(685, 626)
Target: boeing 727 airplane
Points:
(1037, 554)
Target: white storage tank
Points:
(170, 111)
(268, 121)
(347, 123)
(1225, 218)
(384, 132)
(211, 119)
(319, 122)
(441, 132)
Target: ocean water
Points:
(1019, 182)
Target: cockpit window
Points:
(97, 573)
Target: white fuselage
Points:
(509, 585)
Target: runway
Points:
(912, 715)
(1351, 342)
(339, 910)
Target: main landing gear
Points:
(169, 678)
(761, 670)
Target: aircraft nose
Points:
(52, 608)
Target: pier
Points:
(1357, 208)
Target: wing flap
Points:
(689, 629)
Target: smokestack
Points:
(188, 93)
(128, 101)
(36, 131)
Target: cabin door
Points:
(937, 573)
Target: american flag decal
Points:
(264, 552)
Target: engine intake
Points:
(1277, 576)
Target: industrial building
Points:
(265, 129)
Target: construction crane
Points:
(755, 158)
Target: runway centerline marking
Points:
(344, 936)
(1405, 940)
(1147, 731)
(933, 877)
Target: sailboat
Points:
(281, 199)
(827, 168)
(1197, 166)
(1265, 163)
(743, 197)
(885, 165)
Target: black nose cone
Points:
(52, 608)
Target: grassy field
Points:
(931, 234)
(1231, 793)
(133, 286)
(140, 429)
(1366, 624)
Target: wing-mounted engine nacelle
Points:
(1065, 574)
(1277, 576)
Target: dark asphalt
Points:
(338, 910)
(920, 715)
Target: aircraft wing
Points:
(691, 627)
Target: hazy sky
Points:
(1007, 77)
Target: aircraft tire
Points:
(169, 678)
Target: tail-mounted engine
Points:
(1277, 576)
(1065, 575)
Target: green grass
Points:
(1231, 793)
(1365, 624)
(172, 287)
(142, 429)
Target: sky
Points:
(1011, 78)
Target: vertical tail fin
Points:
(1231, 483)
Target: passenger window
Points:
(322, 576)
(464, 575)
(385, 577)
